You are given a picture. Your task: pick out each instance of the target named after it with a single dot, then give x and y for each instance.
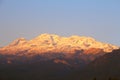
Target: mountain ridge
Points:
(66, 50)
(52, 42)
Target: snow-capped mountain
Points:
(54, 43)
(51, 46)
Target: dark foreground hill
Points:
(46, 70)
(106, 67)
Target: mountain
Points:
(67, 50)
(106, 67)
(52, 57)
(54, 43)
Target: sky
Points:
(99, 19)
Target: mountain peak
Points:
(46, 35)
(18, 42)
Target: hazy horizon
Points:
(30, 18)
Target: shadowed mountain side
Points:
(79, 59)
(106, 67)
(46, 70)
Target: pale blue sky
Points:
(29, 18)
